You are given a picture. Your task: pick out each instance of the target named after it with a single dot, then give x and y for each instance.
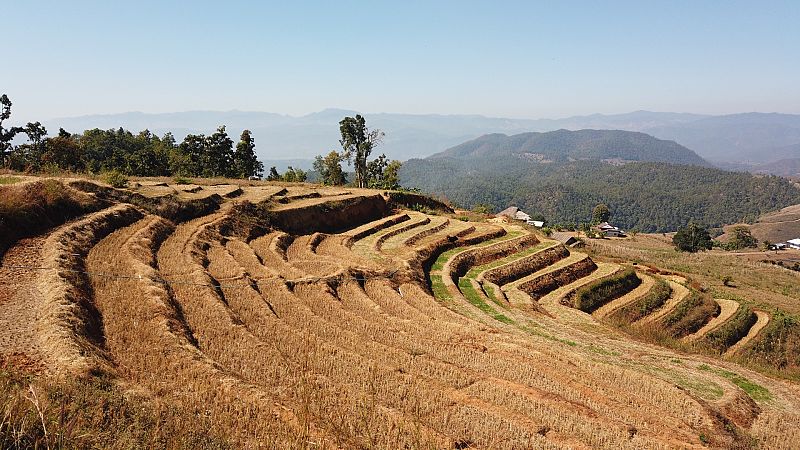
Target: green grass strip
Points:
(755, 391)
(9, 180)
(475, 271)
(439, 289)
(473, 297)
(442, 259)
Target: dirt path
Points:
(18, 299)
(679, 293)
(761, 322)
(727, 310)
(630, 297)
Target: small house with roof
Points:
(609, 230)
(515, 213)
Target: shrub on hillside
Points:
(115, 178)
(28, 209)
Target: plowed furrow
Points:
(522, 267)
(266, 248)
(555, 297)
(149, 343)
(69, 328)
(236, 328)
(368, 229)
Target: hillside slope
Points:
(563, 175)
(564, 145)
(285, 315)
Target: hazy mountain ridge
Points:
(564, 145)
(747, 139)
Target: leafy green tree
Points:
(742, 237)
(601, 213)
(692, 238)
(63, 152)
(391, 175)
(482, 208)
(245, 161)
(294, 175)
(273, 174)
(6, 134)
(36, 134)
(357, 143)
(190, 160)
(218, 155)
(330, 168)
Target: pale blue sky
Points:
(513, 59)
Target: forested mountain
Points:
(564, 145)
(651, 196)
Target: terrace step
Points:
(638, 292)
(762, 321)
(727, 310)
(679, 293)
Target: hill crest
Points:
(565, 145)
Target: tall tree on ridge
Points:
(357, 142)
(245, 161)
(6, 134)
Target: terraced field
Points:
(305, 317)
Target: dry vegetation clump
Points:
(690, 315)
(777, 347)
(31, 208)
(730, 332)
(645, 305)
(44, 412)
(591, 297)
(69, 327)
(520, 268)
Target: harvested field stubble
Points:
(217, 330)
(69, 326)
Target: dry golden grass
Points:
(285, 341)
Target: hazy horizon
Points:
(301, 115)
(513, 60)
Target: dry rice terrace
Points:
(297, 316)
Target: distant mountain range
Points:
(749, 141)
